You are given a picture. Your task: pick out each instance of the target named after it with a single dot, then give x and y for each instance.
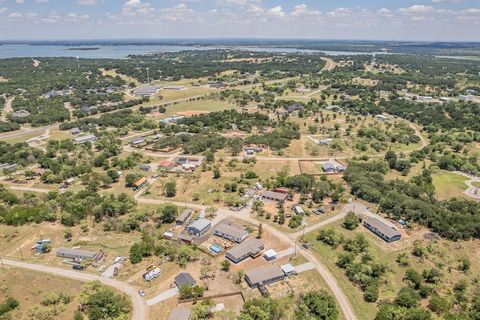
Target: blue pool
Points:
(215, 248)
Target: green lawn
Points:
(200, 106)
(449, 185)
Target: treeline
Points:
(118, 119)
(412, 201)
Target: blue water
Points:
(123, 51)
(215, 248)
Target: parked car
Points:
(141, 293)
(306, 245)
(115, 271)
(77, 267)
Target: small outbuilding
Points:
(274, 196)
(180, 313)
(183, 217)
(270, 255)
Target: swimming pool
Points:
(215, 248)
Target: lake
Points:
(123, 51)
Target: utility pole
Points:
(78, 62)
(148, 75)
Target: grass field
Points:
(199, 106)
(30, 289)
(449, 185)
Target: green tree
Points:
(101, 302)
(316, 305)
(170, 189)
(351, 221)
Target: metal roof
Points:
(200, 224)
(264, 274)
(231, 229)
(288, 268)
(76, 253)
(275, 195)
(251, 246)
(381, 226)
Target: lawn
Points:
(449, 185)
(199, 106)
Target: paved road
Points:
(140, 311)
(472, 191)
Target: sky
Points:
(426, 20)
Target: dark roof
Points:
(184, 279)
(264, 274)
(279, 196)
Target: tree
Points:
(413, 278)
(316, 305)
(439, 304)
(402, 259)
(407, 297)
(351, 221)
(260, 231)
(464, 264)
(170, 189)
(209, 156)
(130, 179)
(169, 213)
(226, 265)
(101, 302)
(260, 309)
(216, 173)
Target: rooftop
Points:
(264, 273)
(184, 278)
(231, 229)
(200, 224)
(249, 246)
(382, 227)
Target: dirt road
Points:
(329, 65)
(140, 311)
(7, 108)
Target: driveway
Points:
(170, 293)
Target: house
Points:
(382, 117)
(329, 168)
(231, 232)
(270, 255)
(137, 141)
(298, 210)
(199, 227)
(76, 254)
(324, 142)
(274, 196)
(180, 313)
(171, 119)
(250, 248)
(185, 238)
(183, 217)
(140, 183)
(295, 107)
(264, 275)
(381, 229)
(288, 269)
(168, 235)
(85, 139)
(75, 131)
(341, 168)
(165, 164)
(177, 88)
(146, 91)
(21, 114)
(183, 279)
(144, 167)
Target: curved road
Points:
(140, 311)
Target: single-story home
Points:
(140, 183)
(199, 227)
(144, 167)
(165, 164)
(231, 232)
(264, 275)
(84, 139)
(298, 210)
(184, 278)
(76, 254)
(137, 140)
(146, 91)
(274, 196)
(381, 229)
(180, 313)
(250, 248)
(75, 131)
(329, 168)
(183, 217)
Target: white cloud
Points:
(302, 10)
(87, 2)
(20, 1)
(417, 8)
(42, 1)
(15, 15)
(471, 11)
(3, 10)
(73, 17)
(276, 12)
(137, 7)
(451, 1)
